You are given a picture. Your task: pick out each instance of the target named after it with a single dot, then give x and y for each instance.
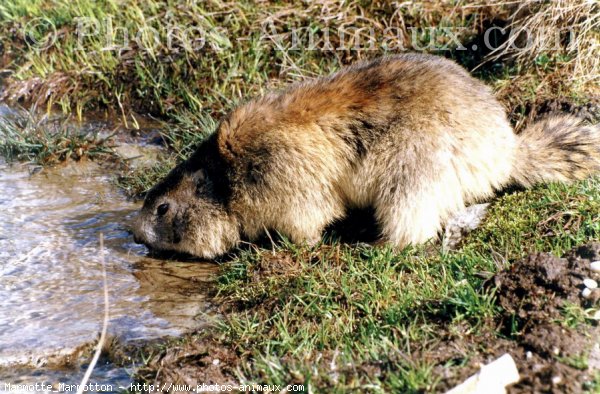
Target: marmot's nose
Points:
(137, 239)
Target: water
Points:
(51, 292)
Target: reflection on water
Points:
(51, 299)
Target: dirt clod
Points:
(196, 360)
(534, 294)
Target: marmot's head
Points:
(188, 210)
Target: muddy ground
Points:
(552, 357)
(532, 294)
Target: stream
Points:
(51, 282)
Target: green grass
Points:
(594, 385)
(24, 135)
(573, 315)
(241, 49)
(136, 181)
(579, 361)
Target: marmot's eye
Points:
(162, 209)
(199, 177)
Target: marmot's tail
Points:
(558, 148)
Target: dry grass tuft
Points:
(570, 28)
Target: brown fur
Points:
(413, 136)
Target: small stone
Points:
(528, 355)
(556, 351)
(596, 315)
(537, 368)
(590, 283)
(586, 293)
(216, 361)
(595, 266)
(556, 380)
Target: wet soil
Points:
(193, 360)
(534, 294)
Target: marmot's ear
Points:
(240, 130)
(226, 142)
(199, 177)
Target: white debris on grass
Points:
(590, 283)
(491, 379)
(463, 223)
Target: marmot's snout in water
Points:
(413, 137)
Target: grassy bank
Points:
(47, 140)
(335, 317)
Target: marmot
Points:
(412, 136)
